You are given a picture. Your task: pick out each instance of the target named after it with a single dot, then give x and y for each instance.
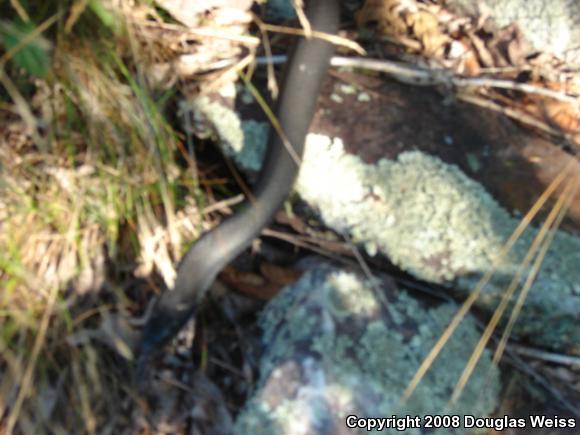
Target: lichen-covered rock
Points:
(214, 116)
(550, 26)
(335, 346)
(432, 220)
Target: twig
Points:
(433, 77)
(517, 362)
(546, 356)
(224, 204)
(305, 245)
(508, 84)
(522, 117)
(336, 40)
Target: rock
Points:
(550, 26)
(337, 345)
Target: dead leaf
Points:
(385, 15)
(279, 275)
(425, 27)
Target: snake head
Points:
(165, 322)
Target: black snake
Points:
(301, 83)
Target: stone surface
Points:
(431, 220)
(550, 26)
(428, 216)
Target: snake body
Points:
(295, 107)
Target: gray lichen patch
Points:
(325, 360)
(428, 217)
(425, 215)
(435, 222)
(550, 26)
(245, 142)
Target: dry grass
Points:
(89, 192)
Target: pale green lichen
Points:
(550, 26)
(347, 298)
(430, 219)
(336, 98)
(473, 162)
(244, 142)
(363, 97)
(348, 89)
(415, 209)
(435, 222)
(358, 362)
